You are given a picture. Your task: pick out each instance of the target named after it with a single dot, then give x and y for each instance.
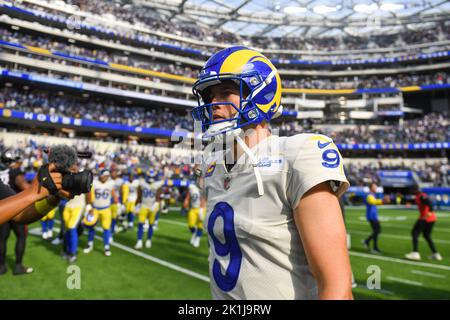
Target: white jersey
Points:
(149, 191)
(118, 182)
(132, 191)
(78, 201)
(264, 256)
(194, 193)
(4, 176)
(102, 193)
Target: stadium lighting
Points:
(321, 9)
(294, 10)
(392, 6)
(365, 8)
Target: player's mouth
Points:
(217, 117)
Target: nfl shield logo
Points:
(226, 183)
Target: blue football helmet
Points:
(150, 176)
(259, 85)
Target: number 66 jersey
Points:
(255, 248)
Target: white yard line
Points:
(395, 226)
(184, 224)
(413, 263)
(158, 261)
(428, 274)
(382, 291)
(405, 281)
(386, 235)
(37, 231)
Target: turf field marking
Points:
(184, 224)
(423, 264)
(429, 274)
(387, 235)
(405, 281)
(158, 261)
(384, 218)
(442, 230)
(391, 293)
(414, 263)
(37, 231)
(396, 226)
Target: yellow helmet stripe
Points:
(235, 61)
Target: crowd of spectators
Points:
(437, 173)
(124, 159)
(108, 111)
(358, 82)
(146, 18)
(127, 160)
(433, 127)
(99, 54)
(355, 82)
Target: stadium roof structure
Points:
(305, 18)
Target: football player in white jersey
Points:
(129, 193)
(273, 217)
(149, 196)
(100, 198)
(116, 207)
(47, 224)
(72, 215)
(196, 206)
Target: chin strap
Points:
(254, 162)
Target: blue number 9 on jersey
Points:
(331, 158)
(226, 282)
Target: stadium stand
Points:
(115, 77)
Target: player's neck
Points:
(252, 137)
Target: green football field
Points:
(173, 269)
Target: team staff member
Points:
(424, 225)
(372, 217)
(18, 183)
(31, 204)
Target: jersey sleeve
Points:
(370, 199)
(315, 159)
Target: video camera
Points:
(65, 157)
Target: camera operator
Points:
(53, 182)
(17, 182)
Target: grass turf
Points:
(126, 275)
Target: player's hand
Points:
(386, 199)
(183, 211)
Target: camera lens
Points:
(78, 183)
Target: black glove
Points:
(46, 181)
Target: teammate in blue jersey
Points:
(372, 217)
